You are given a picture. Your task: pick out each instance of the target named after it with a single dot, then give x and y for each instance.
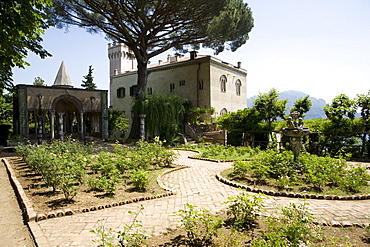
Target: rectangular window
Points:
(133, 90)
(121, 92)
(150, 91)
(172, 87)
(201, 85)
(182, 83)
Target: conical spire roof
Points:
(62, 79)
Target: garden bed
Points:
(349, 236)
(71, 177)
(44, 200)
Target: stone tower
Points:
(119, 59)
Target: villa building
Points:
(204, 80)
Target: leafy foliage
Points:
(23, 23)
(38, 81)
(66, 165)
(242, 122)
(302, 106)
(6, 109)
(243, 211)
(199, 113)
(140, 179)
(319, 172)
(200, 225)
(117, 122)
(269, 106)
(61, 164)
(131, 236)
(163, 114)
(294, 226)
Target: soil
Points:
(331, 236)
(44, 200)
(349, 236)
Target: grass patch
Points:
(220, 152)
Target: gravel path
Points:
(13, 230)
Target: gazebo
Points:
(53, 112)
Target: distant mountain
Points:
(316, 108)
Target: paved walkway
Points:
(196, 185)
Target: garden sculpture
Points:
(295, 131)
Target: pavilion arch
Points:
(66, 117)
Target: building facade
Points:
(204, 80)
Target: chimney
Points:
(239, 65)
(193, 55)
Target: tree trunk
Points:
(142, 80)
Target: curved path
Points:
(196, 185)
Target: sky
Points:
(319, 47)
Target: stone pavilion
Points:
(60, 110)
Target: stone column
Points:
(52, 115)
(39, 122)
(61, 132)
(82, 125)
(142, 126)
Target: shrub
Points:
(354, 179)
(102, 183)
(244, 210)
(131, 236)
(293, 227)
(319, 172)
(200, 225)
(140, 179)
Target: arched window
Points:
(223, 81)
(238, 85)
(223, 111)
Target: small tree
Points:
(197, 113)
(341, 113)
(269, 106)
(243, 123)
(341, 107)
(117, 121)
(38, 81)
(6, 110)
(88, 82)
(363, 103)
(302, 105)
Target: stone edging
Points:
(289, 194)
(26, 204)
(32, 216)
(207, 159)
(217, 161)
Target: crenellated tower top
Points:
(120, 59)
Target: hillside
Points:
(291, 95)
